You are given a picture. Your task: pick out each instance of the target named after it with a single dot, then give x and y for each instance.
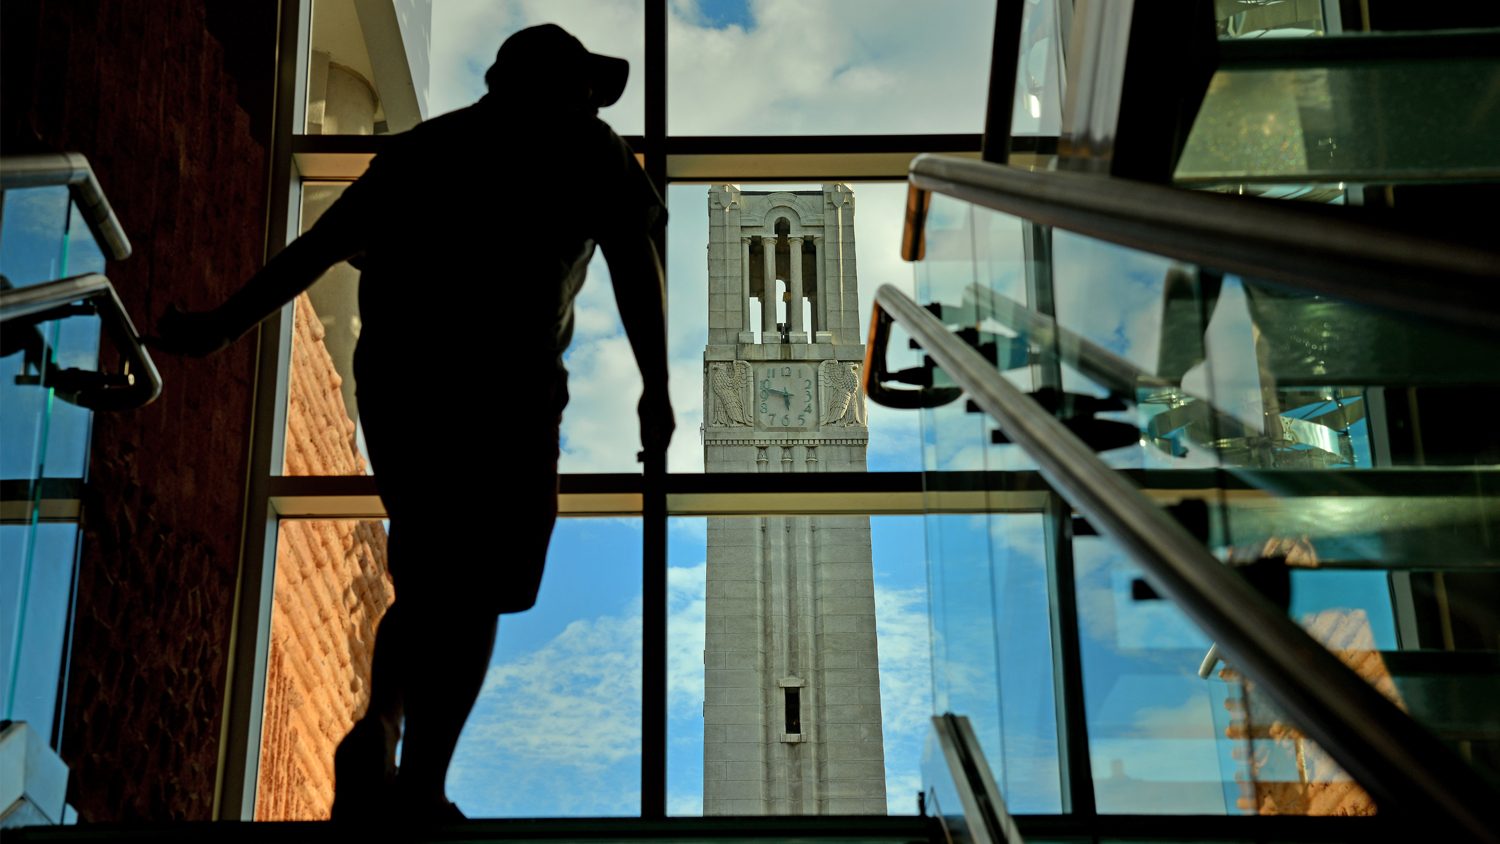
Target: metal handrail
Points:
(1315, 249)
(138, 384)
(71, 169)
(1409, 771)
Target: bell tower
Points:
(791, 715)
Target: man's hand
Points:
(657, 422)
(194, 334)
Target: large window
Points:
(768, 99)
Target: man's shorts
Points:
(471, 499)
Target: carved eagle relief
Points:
(731, 385)
(843, 401)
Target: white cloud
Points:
(818, 68)
(686, 605)
(901, 633)
(556, 731)
(601, 430)
(466, 34)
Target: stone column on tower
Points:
(768, 297)
(797, 332)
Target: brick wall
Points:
(172, 110)
(331, 589)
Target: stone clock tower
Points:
(791, 715)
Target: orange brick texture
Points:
(1322, 787)
(331, 590)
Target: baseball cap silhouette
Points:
(548, 57)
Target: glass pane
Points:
(721, 342)
(739, 68)
(37, 567)
(1351, 485)
(1287, 19)
(1165, 740)
(1039, 69)
(43, 238)
(556, 729)
(331, 590)
(1392, 121)
(798, 670)
(993, 651)
(600, 432)
(34, 235)
(383, 67)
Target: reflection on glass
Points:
(43, 238)
(1286, 19)
(992, 648)
(37, 567)
(375, 68)
(720, 332)
(793, 640)
(556, 729)
(826, 68)
(1165, 740)
(1039, 69)
(1356, 492)
(1375, 122)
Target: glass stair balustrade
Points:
(1335, 454)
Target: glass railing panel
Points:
(993, 651)
(34, 234)
(1400, 120)
(1335, 453)
(1039, 71)
(1349, 470)
(33, 249)
(993, 647)
(1165, 740)
(1293, 19)
(43, 237)
(75, 345)
(799, 669)
(556, 729)
(377, 68)
(37, 569)
(968, 250)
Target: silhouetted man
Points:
(473, 233)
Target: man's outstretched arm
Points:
(337, 236)
(635, 270)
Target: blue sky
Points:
(719, 14)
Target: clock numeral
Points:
(802, 419)
(786, 421)
(807, 409)
(763, 406)
(787, 371)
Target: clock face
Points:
(786, 396)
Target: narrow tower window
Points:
(793, 711)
